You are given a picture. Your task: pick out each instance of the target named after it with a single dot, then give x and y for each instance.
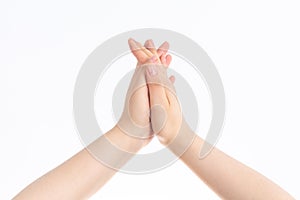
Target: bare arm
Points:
(229, 178)
(80, 176)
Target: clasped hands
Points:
(151, 108)
(151, 105)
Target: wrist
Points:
(182, 141)
(123, 141)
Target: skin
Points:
(229, 178)
(81, 176)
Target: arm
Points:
(229, 178)
(80, 176)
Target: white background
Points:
(254, 44)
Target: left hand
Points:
(136, 116)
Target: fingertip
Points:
(132, 44)
(146, 44)
(168, 59)
(164, 47)
(130, 39)
(172, 79)
(151, 42)
(163, 59)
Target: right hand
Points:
(135, 119)
(166, 115)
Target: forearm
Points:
(80, 176)
(229, 178)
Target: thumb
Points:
(155, 83)
(155, 78)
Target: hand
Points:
(135, 120)
(166, 115)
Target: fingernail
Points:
(152, 70)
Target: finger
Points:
(158, 100)
(154, 59)
(157, 95)
(140, 55)
(171, 92)
(164, 48)
(168, 60)
(149, 44)
(142, 48)
(163, 59)
(172, 79)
